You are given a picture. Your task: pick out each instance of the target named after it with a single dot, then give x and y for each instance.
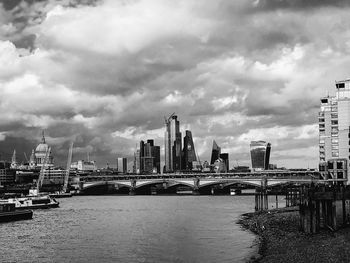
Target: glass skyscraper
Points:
(189, 153)
(260, 155)
(173, 145)
(215, 152)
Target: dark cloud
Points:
(268, 5)
(106, 75)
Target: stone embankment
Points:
(280, 239)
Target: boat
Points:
(32, 202)
(9, 213)
(235, 191)
(60, 195)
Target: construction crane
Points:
(25, 156)
(41, 174)
(200, 164)
(69, 160)
(168, 119)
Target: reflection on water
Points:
(132, 229)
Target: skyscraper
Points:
(150, 157)
(224, 157)
(172, 144)
(215, 152)
(260, 154)
(147, 158)
(122, 165)
(334, 122)
(189, 153)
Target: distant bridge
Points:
(198, 181)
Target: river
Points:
(132, 229)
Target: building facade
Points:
(225, 158)
(149, 156)
(173, 145)
(260, 155)
(188, 152)
(122, 165)
(334, 122)
(84, 166)
(215, 152)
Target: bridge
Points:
(199, 182)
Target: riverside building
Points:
(334, 122)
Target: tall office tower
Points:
(141, 156)
(224, 157)
(136, 167)
(215, 152)
(122, 165)
(260, 155)
(151, 157)
(172, 144)
(334, 122)
(188, 153)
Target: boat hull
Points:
(16, 215)
(60, 195)
(38, 206)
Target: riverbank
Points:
(281, 241)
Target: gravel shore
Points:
(281, 240)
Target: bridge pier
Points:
(195, 192)
(261, 197)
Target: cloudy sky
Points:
(107, 72)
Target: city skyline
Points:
(106, 72)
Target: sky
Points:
(105, 73)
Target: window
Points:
(335, 140)
(322, 159)
(321, 141)
(334, 122)
(321, 120)
(340, 85)
(334, 115)
(340, 175)
(324, 100)
(321, 125)
(335, 146)
(339, 165)
(322, 147)
(335, 154)
(334, 109)
(330, 165)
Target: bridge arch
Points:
(102, 183)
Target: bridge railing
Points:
(255, 175)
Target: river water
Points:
(132, 229)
